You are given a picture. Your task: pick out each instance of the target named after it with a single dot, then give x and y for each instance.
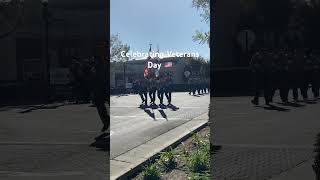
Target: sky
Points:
(167, 23)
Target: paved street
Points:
(261, 142)
(50, 143)
(132, 126)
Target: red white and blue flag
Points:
(168, 64)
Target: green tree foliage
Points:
(11, 13)
(204, 7)
(116, 47)
(311, 24)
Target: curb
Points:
(130, 169)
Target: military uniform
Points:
(315, 75)
(283, 76)
(168, 89)
(293, 74)
(152, 90)
(161, 89)
(261, 70)
(143, 91)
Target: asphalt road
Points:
(132, 126)
(51, 143)
(261, 142)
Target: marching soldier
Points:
(260, 70)
(315, 74)
(190, 85)
(161, 88)
(152, 90)
(168, 89)
(144, 90)
(283, 76)
(137, 87)
(304, 74)
(293, 74)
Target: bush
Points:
(168, 159)
(196, 140)
(151, 172)
(199, 161)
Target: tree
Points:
(116, 47)
(204, 7)
(11, 13)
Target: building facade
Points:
(127, 72)
(69, 29)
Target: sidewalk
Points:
(302, 171)
(123, 166)
(262, 142)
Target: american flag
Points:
(145, 71)
(168, 64)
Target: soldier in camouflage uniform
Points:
(152, 90)
(168, 89)
(161, 88)
(306, 72)
(315, 74)
(260, 71)
(143, 91)
(283, 76)
(293, 74)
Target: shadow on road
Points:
(274, 108)
(151, 114)
(173, 107)
(163, 114)
(196, 95)
(162, 106)
(32, 108)
(102, 142)
(292, 104)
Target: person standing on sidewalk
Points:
(99, 84)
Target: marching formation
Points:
(198, 85)
(285, 70)
(153, 87)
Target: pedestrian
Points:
(99, 84)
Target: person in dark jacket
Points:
(99, 84)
